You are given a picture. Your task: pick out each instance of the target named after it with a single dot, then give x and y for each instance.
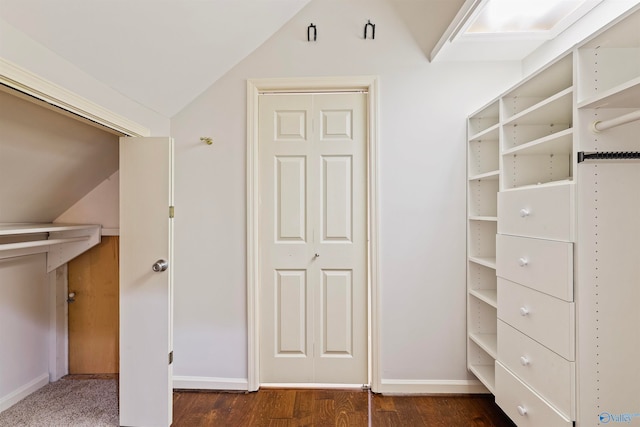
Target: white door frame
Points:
(23, 80)
(320, 84)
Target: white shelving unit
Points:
(552, 272)
(608, 212)
(483, 174)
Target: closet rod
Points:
(608, 155)
(599, 126)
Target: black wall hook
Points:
(373, 29)
(315, 32)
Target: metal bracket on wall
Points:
(373, 29)
(315, 32)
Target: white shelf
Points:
(486, 374)
(490, 296)
(61, 242)
(8, 229)
(487, 342)
(486, 261)
(557, 143)
(626, 95)
(544, 184)
(489, 134)
(555, 109)
(491, 175)
(483, 218)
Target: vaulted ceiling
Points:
(131, 45)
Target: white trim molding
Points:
(319, 84)
(17, 395)
(24, 81)
(432, 387)
(209, 383)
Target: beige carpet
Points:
(67, 403)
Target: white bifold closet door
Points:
(313, 232)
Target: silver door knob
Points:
(160, 265)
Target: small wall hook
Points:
(206, 139)
(373, 29)
(315, 32)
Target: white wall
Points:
(422, 193)
(32, 56)
(24, 327)
(100, 206)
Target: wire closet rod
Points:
(599, 126)
(608, 155)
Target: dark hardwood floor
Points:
(296, 408)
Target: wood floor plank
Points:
(333, 408)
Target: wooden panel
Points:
(291, 313)
(337, 185)
(291, 198)
(93, 317)
(337, 310)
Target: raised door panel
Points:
(290, 199)
(337, 199)
(337, 314)
(291, 309)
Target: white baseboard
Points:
(210, 383)
(17, 395)
(431, 387)
(312, 385)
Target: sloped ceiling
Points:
(48, 161)
(160, 53)
(164, 53)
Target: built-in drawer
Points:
(550, 375)
(546, 319)
(524, 406)
(544, 212)
(544, 265)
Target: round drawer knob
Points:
(524, 311)
(522, 410)
(524, 361)
(525, 212)
(523, 262)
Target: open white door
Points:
(146, 283)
